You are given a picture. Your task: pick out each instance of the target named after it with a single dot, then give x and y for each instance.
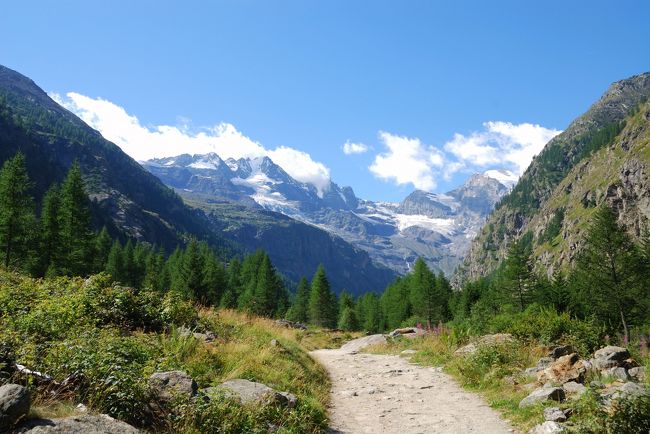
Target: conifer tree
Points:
(609, 272)
(76, 233)
(16, 211)
(214, 276)
(348, 320)
(426, 298)
(322, 302)
(191, 271)
(298, 311)
(396, 302)
(115, 262)
(128, 263)
(103, 244)
(369, 313)
(519, 278)
(233, 289)
(51, 253)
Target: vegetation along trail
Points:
(387, 394)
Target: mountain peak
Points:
(504, 176)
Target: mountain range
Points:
(132, 203)
(602, 157)
(437, 227)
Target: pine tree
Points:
(369, 313)
(426, 298)
(298, 311)
(51, 254)
(115, 262)
(610, 272)
(128, 263)
(76, 236)
(395, 302)
(16, 211)
(322, 302)
(103, 244)
(191, 272)
(154, 276)
(519, 278)
(214, 276)
(233, 288)
(348, 320)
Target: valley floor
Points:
(386, 394)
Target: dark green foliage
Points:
(348, 319)
(369, 313)
(76, 235)
(322, 301)
(16, 211)
(609, 274)
(631, 416)
(519, 277)
(429, 299)
(51, 249)
(103, 244)
(264, 292)
(299, 310)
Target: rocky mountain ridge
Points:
(437, 227)
(602, 156)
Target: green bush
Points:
(631, 415)
(546, 326)
(490, 363)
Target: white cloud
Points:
(144, 143)
(407, 160)
(502, 143)
(354, 148)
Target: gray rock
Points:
(554, 414)
(610, 357)
(574, 389)
(632, 389)
(618, 373)
(543, 394)
(170, 385)
(292, 400)
(560, 351)
(533, 371)
(637, 374)
(14, 405)
(548, 427)
(545, 362)
(250, 392)
(86, 424)
(595, 384)
(408, 352)
(487, 340)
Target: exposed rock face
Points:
(548, 427)
(610, 357)
(543, 394)
(167, 386)
(637, 373)
(554, 414)
(573, 389)
(356, 345)
(14, 405)
(617, 174)
(566, 368)
(251, 392)
(86, 424)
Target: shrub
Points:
(631, 415)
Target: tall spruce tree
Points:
(16, 211)
(518, 275)
(426, 298)
(230, 297)
(115, 262)
(51, 254)
(322, 302)
(298, 311)
(348, 320)
(103, 244)
(609, 273)
(76, 235)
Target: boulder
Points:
(542, 364)
(554, 414)
(86, 424)
(543, 394)
(487, 340)
(618, 373)
(408, 352)
(637, 374)
(610, 357)
(290, 324)
(292, 400)
(408, 332)
(356, 345)
(566, 368)
(547, 427)
(14, 405)
(573, 389)
(207, 337)
(562, 350)
(248, 392)
(170, 385)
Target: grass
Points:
(62, 326)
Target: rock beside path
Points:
(166, 386)
(247, 392)
(86, 424)
(487, 340)
(14, 405)
(357, 345)
(543, 394)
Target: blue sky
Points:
(415, 82)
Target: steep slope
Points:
(437, 227)
(600, 156)
(126, 198)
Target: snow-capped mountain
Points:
(437, 227)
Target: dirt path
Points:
(387, 394)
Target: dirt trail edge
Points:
(387, 394)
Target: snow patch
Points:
(442, 226)
(504, 176)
